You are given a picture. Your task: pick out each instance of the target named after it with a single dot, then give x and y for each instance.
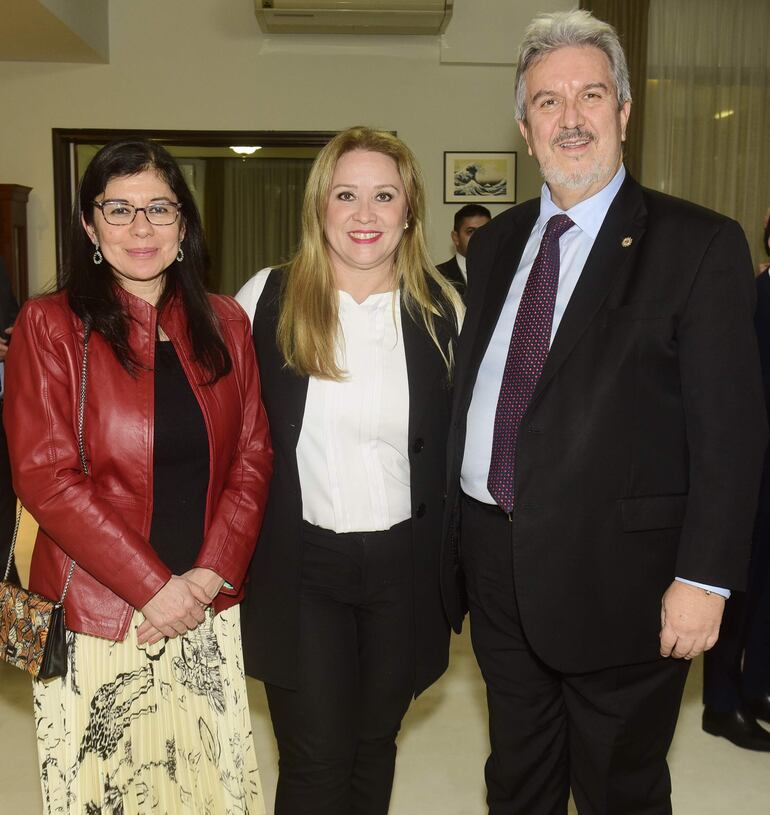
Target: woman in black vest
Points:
(344, 621)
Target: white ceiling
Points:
(49, 31)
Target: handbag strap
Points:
(82, 400)
(13, 543)
(81, 451)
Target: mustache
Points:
(569, 134)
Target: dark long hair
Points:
(92, 290)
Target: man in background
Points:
(736, 671)
(467, 220)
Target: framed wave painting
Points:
(480, 177)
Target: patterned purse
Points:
(32, 632)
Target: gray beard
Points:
(578, 179)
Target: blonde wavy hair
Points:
(308, 320)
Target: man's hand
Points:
(176, 609)
(689, 620)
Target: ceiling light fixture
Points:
(723, 114)
(244, 150)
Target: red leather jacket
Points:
(103, 520)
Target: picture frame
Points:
(479, 176)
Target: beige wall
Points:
(204, 64)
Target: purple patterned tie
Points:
(530, 341)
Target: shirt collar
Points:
(374, 302)
(461, 263)
(589, 214)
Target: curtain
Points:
(213, 220)
(253, 210)
(629, 18)
(708, 107)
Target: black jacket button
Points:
(421, 510)
(417, 445)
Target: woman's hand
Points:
(206, 579)
(176, 609)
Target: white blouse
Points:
(353, 450)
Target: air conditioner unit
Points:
(353, 16)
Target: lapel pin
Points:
(626, 242)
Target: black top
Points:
(180, 465)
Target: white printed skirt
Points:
(158, 729)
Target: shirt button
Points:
(421, 510)
(418, 445)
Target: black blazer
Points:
(451, 271)
(762, 325)
(270, 611)
(640, 453)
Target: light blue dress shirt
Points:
(574, 246)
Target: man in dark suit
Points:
(605, 449)
(467, 220)
(9, 308)
(736, 672)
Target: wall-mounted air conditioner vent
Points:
(353, 16)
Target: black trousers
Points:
(737, 668)
(337, 731)
(603, 734)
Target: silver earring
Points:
(180, 255)
(98, 257)
(406, 225)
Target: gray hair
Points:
(580, 28)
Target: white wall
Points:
(204, 64)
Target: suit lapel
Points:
(284, 392)
(423, 365)
(626, 218)
(453, 272)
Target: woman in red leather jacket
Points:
(162, 521)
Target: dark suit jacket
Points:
(270, 612)
(451, 271)
(744, 624)
(639, 455)
(762, 325)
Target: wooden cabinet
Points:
(13, 236)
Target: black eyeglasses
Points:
(120, 213)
